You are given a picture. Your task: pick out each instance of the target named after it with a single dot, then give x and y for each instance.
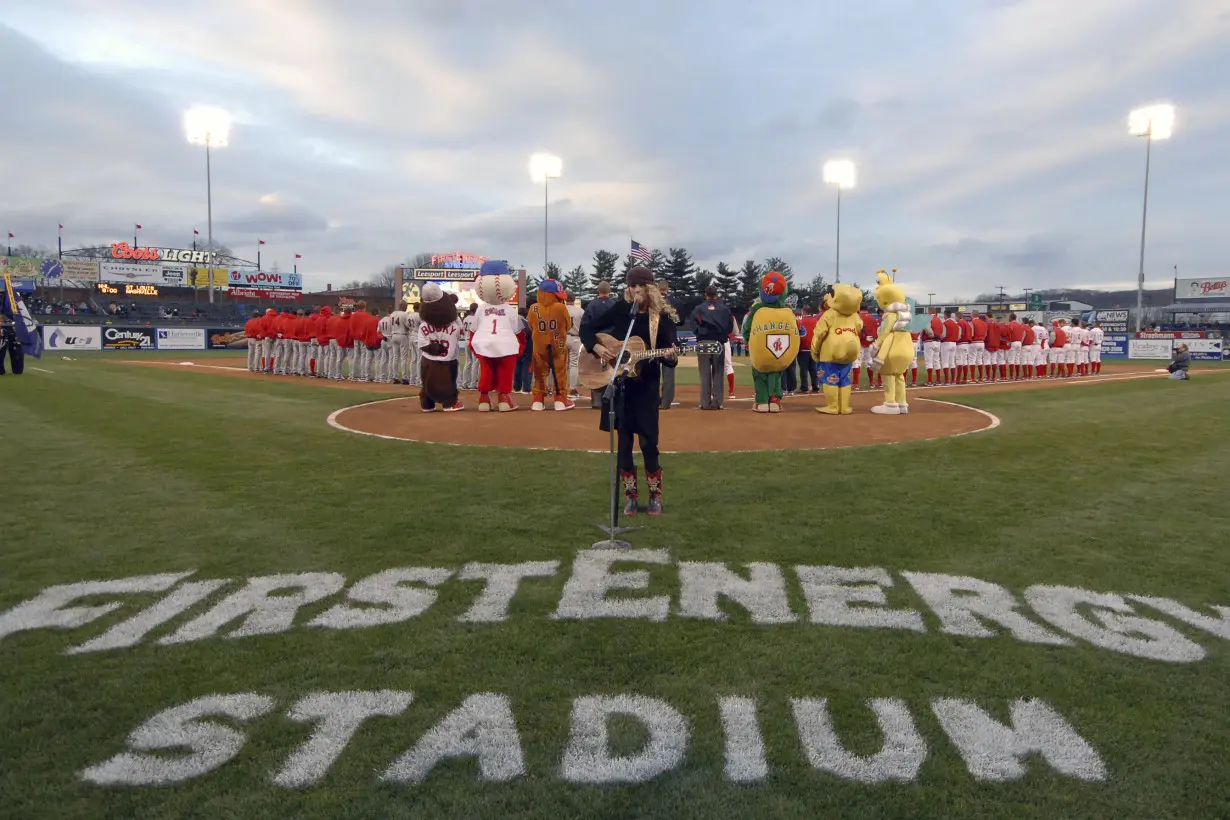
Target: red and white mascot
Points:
(498, 337)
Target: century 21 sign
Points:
(122, 250)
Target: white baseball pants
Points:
(1082, 354)
(400, 353)
(267, 353)
(948, 355)
(1014, 354)
(574, 362)
(931, 355)
(254, 354)
(1095, 353)
(963, 355)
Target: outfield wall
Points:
(109, 337)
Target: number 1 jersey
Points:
(496, 334)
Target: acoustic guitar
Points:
(594, 374)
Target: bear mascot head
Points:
(439, 310)
(496, 285)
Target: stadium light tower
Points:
(842, 173)
(542, 168)
(210, 127)
(1153, 122)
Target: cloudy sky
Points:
(990, 135)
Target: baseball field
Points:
(216, 603)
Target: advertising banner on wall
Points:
(1112, 321)
(199, 277)
(128, 338)
(1208, 350)
(1115, 344)
(226, 339)
(1209, 288)
(181, 338)
(265, 280)
(1150, 348)
(253, 293)
(72, 337)
(149, 274)
(22, 267)
(80, 270)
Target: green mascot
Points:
(772, 335)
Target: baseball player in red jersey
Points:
(990, 350)
(807, 367)
(252, 329)
(1059, 351)
(871, 328)
(978, 348)
(1016, 336)
(1005, 345)
(964, 341)
(268, 337)
(324, 340)
(932, 338)
(948, 347)
(1027, 350)
(917, 338)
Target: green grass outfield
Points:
(114, 471)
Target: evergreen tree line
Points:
(738, 287)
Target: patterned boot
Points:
(629, 484)
(654, 480)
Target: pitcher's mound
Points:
(684, 428)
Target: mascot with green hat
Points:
(772, 334)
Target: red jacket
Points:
(871, 328)
(252, 328)
(936, 329)
(1028, 338)
(807, 326)
(322, 320)
(967, 331)
(993, 333)
(1005, 338)
(269, 325)
(1061, 337)
(952, 331)
(338, 329)
(980, 330)
(1016, 331)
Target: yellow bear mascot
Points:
(894, 347)
(835, 345)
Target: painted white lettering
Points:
(482, 727)
(1219, 626)
(588, 758)
(211, 744)
(993, 751)
(763, 594)
(830, 591)
(1161, 642)
(338, 715)
(266, 614)
(585, 592)
(49, 608)
(745, 756)
(399, 603)
(502, 582)
(960, 601)
(130, 632)
(900, 758)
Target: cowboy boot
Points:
(629, 484)
(654, 480)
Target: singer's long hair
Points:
(657, 302)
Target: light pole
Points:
(542, 168)
(210, 127)
(842, 173)
(929, 297)
(1153, 122)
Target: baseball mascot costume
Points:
(549, 325)
(497, 339)
(772, 334)
(835, 345)
(438, 340)
(893, 350)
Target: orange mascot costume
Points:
(549, 325)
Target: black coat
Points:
(636, 409)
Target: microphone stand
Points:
(613, 387)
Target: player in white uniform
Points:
(413, 322)
(1095, 348)
(384, 355)
(468, 380)
(398, 344)
(575, 313)
(1069, 350)
(1082, 351)
(1042, 339)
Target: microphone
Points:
(636, 308)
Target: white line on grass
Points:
(992, 422)
(41, 370)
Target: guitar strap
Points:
(654, 318)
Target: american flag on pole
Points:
(640, 253)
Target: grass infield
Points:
(115, 471)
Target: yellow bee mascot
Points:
(894, 347)
(835, 345)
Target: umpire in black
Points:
(712, 321)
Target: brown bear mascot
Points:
(438, 340)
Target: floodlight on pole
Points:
(1153, 122)
(210, 127)
(843, 174)
(542, 168)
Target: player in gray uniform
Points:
(384, 355)
(468, 379)
(413, 322)
(400, 341)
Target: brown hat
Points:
(640, 276)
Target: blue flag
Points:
(24, 326)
